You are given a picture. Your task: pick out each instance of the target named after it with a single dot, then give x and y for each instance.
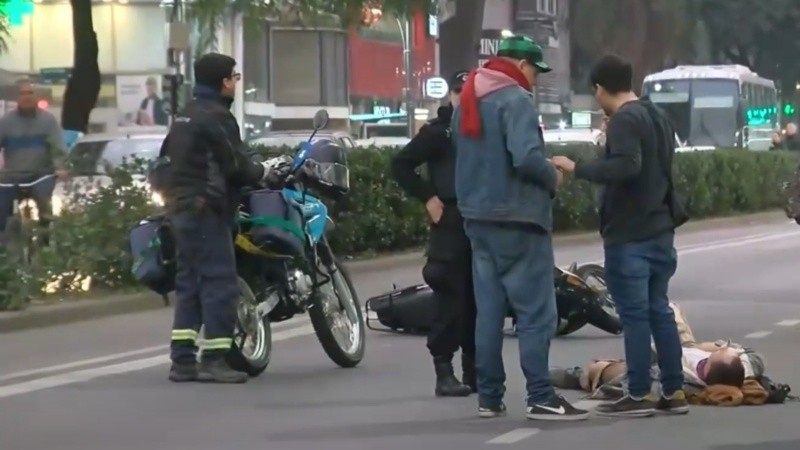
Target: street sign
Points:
(436, 87)
(54, 75)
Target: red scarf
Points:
(470, 113)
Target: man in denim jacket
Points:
(505, 186)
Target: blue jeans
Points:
(638, 275)
(512, 264)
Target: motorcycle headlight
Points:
(157, 199)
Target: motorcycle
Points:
(581, 298)
(276, 285)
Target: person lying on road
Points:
(715, 373)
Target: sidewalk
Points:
(49, 314)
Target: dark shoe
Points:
(674, 404)
(557, 408)
(183, 372)
(218, 371)
(628, 407)
(490, 412)
(469, 377)
(447, 385)
(566, 378)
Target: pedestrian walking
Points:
(638, 217)
(505, 188)
(448, 270)
(207, 167)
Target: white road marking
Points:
(725, 243)
(788, 323)
(115, 369)
(758, 335)
(158, 348)
(514, 436)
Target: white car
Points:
(570, 136)
(383, 141)
(94, 155)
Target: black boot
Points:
(468, 371)
(183, 372)
(216, 370)
(447, 385)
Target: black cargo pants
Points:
(206, 284)
(448, 272)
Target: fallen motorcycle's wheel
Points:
(251, 351)
(602, 313)
(337, 317)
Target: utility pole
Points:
(179, 44)
(405, 29)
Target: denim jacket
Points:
(504, 175)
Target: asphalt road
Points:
(101, 385)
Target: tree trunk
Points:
(83, 87)
(460, 37)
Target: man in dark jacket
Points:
(207, 167)
(449, 268)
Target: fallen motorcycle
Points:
(581, 298)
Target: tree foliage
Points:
(4, 33)
(650, 33)
(764, 36)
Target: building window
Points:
(309, 67)
(296, 68)
(549, 7)
(255, 66)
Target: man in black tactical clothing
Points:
(207, 165)
(448, 270)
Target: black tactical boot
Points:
(216, 370)
(183, 372)
(447, 385)
(468, 367)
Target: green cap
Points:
(523, 47)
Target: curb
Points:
(46, 315)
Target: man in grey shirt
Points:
(32, 145)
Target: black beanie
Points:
(212, 68)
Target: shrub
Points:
(89, 241)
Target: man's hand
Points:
(559, 178)
(563, 164)
(435, 209)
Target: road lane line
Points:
(514, 436)
(758, 335)
(81, 376)
(788, 323)
(101, 359)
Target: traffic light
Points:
(15, 10)
(789, 109)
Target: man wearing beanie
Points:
(505, 187)
(448, 270)
(207, 166)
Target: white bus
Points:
(717, 106)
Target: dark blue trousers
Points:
(638, 275)
(206, 285)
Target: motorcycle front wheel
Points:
(602, 313)
(337, 317)
(251, 350)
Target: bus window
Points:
(713, 119)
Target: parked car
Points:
(383, 141)
(570, 136)
(295, 138)
(94, 156)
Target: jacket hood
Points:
(488, 81)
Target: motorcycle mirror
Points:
(321, 119)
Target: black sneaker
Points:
(489, 412)
(628, 406)
(218, 371)
(557, 408)
(675, 404)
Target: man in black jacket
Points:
(207, 167)
(638, 217)
(448, 270)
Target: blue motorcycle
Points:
(286, 266)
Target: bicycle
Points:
(19, 223)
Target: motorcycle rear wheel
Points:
(335, 305)
(251, 359)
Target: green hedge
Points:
(89, 239)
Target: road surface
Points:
(101, 385)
